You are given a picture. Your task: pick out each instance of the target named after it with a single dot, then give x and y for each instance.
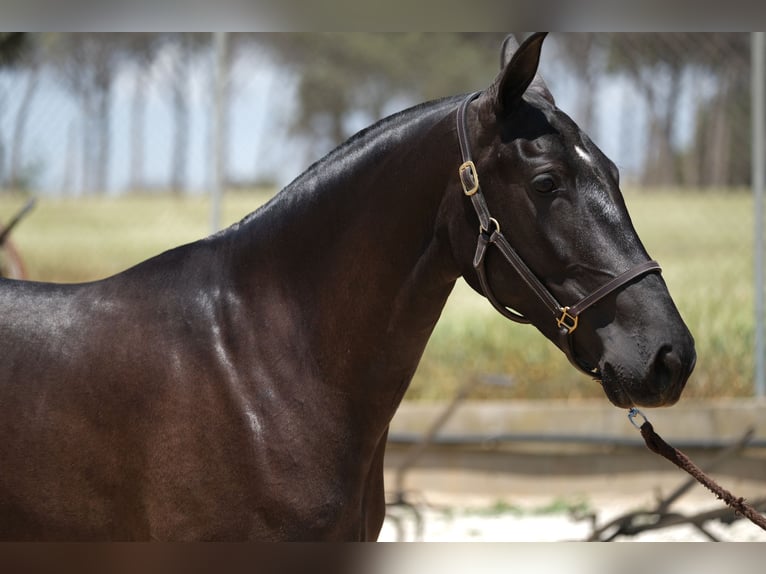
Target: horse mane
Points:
(387, 128)
(383, 134)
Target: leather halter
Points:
(566, 317)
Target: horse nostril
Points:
(668, 369)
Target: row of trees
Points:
(709, 74)
(86, 66)
(347, 75)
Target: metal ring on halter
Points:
(632, 414)
(493, 221)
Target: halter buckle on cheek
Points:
(469, 178)
(566, 321)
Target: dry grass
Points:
(704, 242)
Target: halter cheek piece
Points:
(566, 317)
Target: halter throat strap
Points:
(565, 316)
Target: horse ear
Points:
(520, 72)
(510, 45)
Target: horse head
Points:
(556, 246)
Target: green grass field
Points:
(703, 241)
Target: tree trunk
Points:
(691, 164)
(587, 85)
(180, 124)
(102, 153)
(718, 159)
(16, 179)
(86, 159)
(137, 132)
(70, 167)
(660, 166)
(180, 137)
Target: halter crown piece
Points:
(566, 317)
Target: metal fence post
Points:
(758, 135)
(220, 41)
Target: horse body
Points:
(201, 379)
(241, 387)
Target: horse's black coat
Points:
(241, 387)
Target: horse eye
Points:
(544, 183)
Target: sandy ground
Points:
(453, 519)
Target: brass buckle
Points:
(470, 167)
(567, 321)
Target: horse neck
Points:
(361, 256)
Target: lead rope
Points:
(656, 444)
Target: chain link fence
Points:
(673, 109)
(87, 114)
(112, 113)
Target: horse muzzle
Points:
(659, 382)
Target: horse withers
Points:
(241, 387)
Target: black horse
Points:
(241, 387)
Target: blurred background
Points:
(109, 114)
(132, 143)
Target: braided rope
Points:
(656, 444)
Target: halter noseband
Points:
(566, 317)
